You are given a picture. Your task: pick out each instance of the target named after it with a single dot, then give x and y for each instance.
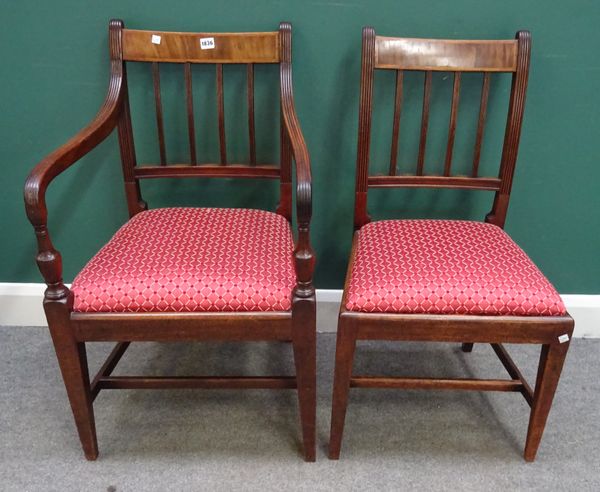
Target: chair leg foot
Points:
(93, 456)
(344, 358)
(467, 347)
(552, 358)
(72, 360)
(305, 359)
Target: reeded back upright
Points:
(457, 56)
(157, 47)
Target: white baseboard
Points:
(21, 305)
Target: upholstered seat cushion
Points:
(446, 267)
(192, 259)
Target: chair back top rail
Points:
(446, 54)
(184, 47)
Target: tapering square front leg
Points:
(552, 358)
(344, 359)
(305, 358)
(73, 366)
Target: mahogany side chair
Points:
(186, 274)
(446, 280)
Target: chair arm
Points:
(48, 259)
(304, 258)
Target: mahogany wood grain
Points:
(159, 114)
(396, 122)
(462, 182)
(428, 55)
(552, 358)
(303, 296)
(70, 330)
(221, 114)
(133, 194)
(424, 123)
(344, 361)
(196, 382)
(304, 343)
(108, 366)
(512, 135)
(485, 92)
(285, 158)
(304, 258)
(251, 128)
(48, 259)
(457, 56)
(459, 328)
(446, 55)
(163, 327)
(364, 127)
(452, 124)
(189, 100)
(184, 47)
(72, 361)
(436, 383)
(513, 371)
(211, 170)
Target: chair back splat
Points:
(435, 55)
(155, 48)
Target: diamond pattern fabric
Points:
(190, 260)
(446, 267)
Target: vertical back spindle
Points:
(159, 114)
(485, 90)
(424, 123)
(221, 111)
(251, 131)
(190, 112)
(452, 126)
(396, 123)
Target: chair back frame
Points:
(183, 48)
(457, 56)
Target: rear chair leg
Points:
(467, 347)
(304, 342)
(73, 366)
(344, 358)
(552, 358)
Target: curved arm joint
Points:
(304, 258)
(48, 259)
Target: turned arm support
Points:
(304, 259)
(48, 259)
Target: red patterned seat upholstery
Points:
(446, 267)
(192, 259)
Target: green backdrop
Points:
(55, 72)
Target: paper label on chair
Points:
(563, 338)
(207, 43)
(155, 39)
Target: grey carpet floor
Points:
(248, 440)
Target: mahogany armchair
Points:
(446, 280)
(185, 274)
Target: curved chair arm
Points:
(48, 259)
(304, 258)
